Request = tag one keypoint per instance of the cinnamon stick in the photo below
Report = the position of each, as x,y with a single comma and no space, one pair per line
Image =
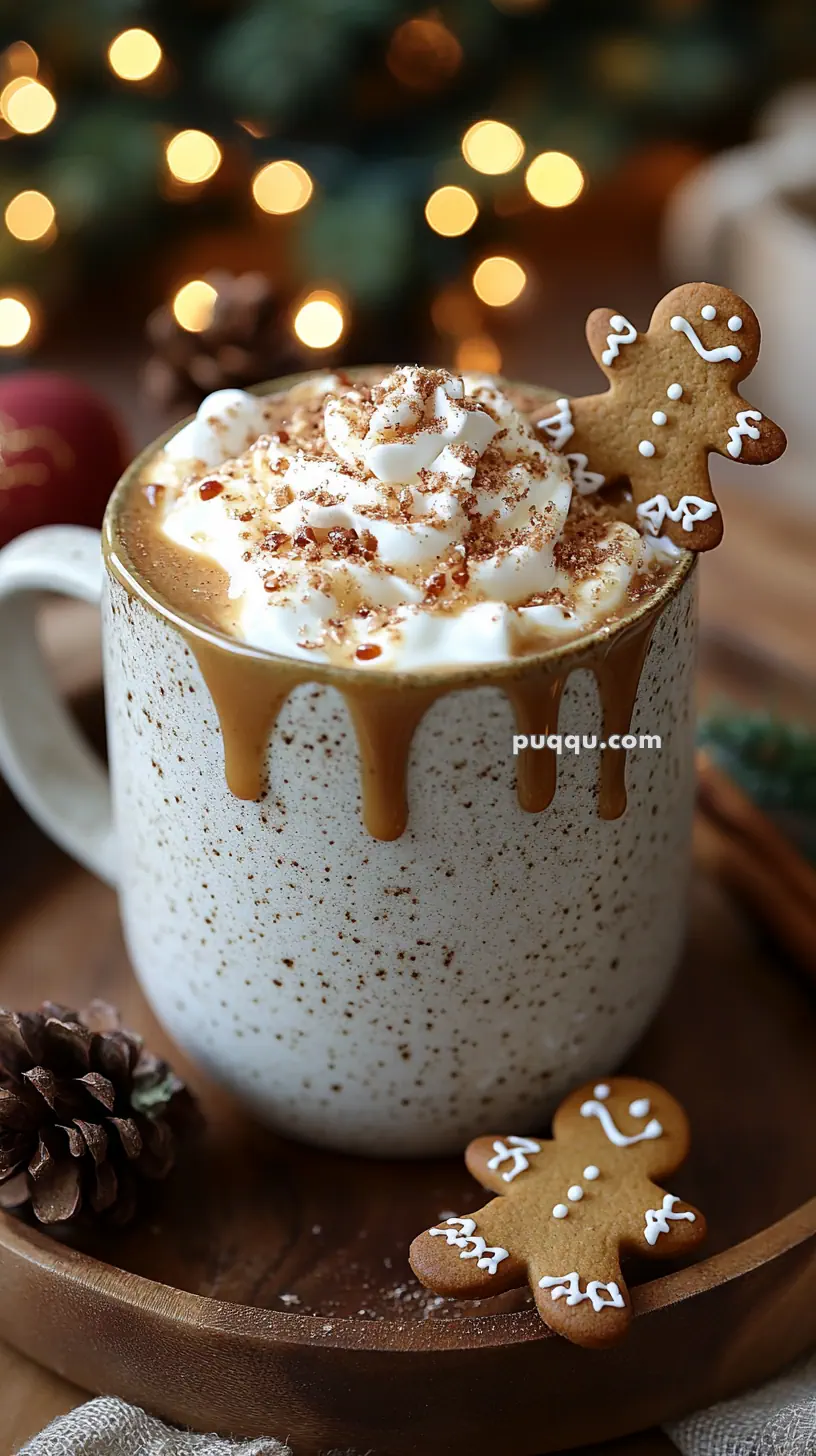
740,846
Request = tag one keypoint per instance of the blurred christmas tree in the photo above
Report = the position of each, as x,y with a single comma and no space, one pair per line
361,151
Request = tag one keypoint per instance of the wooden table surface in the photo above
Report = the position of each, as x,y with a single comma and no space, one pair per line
758,619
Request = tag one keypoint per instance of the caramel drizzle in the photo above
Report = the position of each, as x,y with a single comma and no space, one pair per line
535,706
618,677
249,692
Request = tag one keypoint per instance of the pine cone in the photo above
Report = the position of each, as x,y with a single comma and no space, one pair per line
247,340
85,1112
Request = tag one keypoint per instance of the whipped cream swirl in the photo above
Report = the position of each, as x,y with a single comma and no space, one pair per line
411,523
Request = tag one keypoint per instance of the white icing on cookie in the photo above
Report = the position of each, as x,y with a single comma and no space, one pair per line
601,1091
586,482
559,427
735,324
742,427
713,356
653,1129
689,510
614,340
471,1244
515,1150
675,391
569,1285
708,311
641,1107
657,1218
591,1173
575,1193
560,1210
646,448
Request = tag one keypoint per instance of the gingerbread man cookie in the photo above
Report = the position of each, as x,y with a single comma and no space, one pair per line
672,400
568,1208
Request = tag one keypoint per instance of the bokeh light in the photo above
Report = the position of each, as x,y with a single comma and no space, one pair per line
554,179
27,105
20,59
30,217
282,187
134,55
193,305
423,53
193,156
479,354
451,211
319,321
16,320
492,147
499,281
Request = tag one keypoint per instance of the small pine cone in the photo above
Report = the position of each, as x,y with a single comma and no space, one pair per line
85,1112
247,340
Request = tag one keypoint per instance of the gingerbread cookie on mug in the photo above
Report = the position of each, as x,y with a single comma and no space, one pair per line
569,1207
672,400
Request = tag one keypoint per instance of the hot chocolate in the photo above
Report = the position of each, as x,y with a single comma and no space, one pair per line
416,520
406,526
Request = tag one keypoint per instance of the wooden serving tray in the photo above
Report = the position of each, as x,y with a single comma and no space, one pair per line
267,1290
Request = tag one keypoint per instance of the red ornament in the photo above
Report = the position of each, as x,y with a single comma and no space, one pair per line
62,450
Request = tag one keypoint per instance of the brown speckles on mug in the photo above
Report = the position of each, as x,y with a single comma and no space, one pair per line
389,997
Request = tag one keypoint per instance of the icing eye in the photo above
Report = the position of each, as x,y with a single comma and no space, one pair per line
708,311
641,1107
601,1091
675,391
735,324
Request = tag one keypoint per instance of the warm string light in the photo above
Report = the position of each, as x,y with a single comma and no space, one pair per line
135,54
282,187
194,304
554,179
319,321
423,53
20,59
492,147
478,354
193,157
498,281
30,217
27,105
451,211
16,321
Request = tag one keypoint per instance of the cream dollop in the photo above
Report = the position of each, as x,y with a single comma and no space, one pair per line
412,523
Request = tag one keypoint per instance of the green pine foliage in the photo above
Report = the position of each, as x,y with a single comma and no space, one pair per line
773,761
313,79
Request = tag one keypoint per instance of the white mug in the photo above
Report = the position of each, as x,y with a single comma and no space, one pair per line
380,997
736,217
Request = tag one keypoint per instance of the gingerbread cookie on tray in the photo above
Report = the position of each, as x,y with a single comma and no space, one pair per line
672,401
568,1208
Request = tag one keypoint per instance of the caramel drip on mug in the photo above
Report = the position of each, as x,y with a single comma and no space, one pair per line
535,706
248,694
385,721
618,678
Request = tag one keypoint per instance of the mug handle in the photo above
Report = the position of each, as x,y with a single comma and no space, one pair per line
49,766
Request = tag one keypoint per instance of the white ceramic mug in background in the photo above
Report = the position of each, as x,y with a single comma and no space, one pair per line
736,217
388,998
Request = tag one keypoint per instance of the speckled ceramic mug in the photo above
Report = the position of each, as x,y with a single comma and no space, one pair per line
386,998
